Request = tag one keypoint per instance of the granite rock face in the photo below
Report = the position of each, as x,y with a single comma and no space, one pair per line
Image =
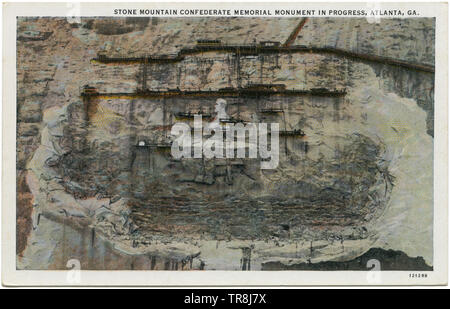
89,191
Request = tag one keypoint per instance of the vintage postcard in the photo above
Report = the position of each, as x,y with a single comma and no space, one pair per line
225,144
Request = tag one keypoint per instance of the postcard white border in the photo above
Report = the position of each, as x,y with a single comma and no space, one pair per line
13,277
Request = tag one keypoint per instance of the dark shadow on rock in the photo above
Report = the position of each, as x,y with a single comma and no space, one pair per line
389,260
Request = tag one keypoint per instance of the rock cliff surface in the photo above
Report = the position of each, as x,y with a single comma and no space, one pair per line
87,190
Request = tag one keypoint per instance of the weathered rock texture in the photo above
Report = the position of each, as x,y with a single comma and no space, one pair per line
86,191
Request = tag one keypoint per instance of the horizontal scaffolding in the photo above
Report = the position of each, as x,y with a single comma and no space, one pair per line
191,115
265,49
236,92
271,110
297,132
231,120
153,145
